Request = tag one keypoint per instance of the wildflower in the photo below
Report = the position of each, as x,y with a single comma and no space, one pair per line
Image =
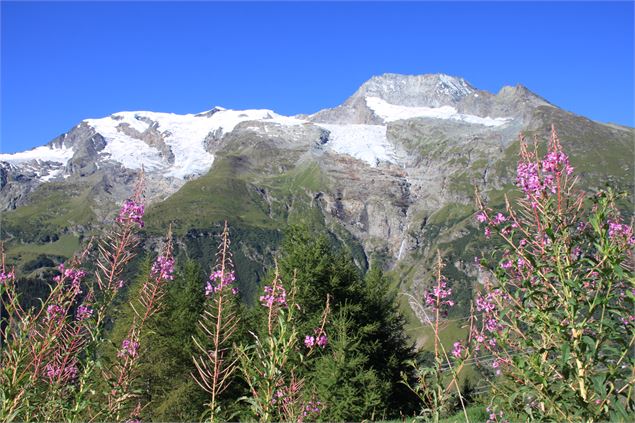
218,280
309,341
274,294
481,217
54,371
84,312
321,341
437,297
499,218
527,178
128,347
54,311
5,276
131,212
457,350
488,232
163,268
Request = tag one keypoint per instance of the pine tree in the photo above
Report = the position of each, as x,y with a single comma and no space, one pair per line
375,329
172,393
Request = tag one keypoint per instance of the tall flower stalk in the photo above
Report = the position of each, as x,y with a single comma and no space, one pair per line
215,363
123,375
437,386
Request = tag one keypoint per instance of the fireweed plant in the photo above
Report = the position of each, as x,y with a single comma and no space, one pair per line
556,318
49,361
437,385
272,364
216,361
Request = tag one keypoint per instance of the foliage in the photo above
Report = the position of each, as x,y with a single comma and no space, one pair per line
49,352
556,318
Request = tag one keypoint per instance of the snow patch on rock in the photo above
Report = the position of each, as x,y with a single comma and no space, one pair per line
392,112
364,142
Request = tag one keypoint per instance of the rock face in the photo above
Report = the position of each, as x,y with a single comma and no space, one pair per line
394,167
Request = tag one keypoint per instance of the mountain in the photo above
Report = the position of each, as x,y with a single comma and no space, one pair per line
390,173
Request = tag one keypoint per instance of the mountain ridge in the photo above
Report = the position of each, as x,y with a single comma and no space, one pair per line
392,181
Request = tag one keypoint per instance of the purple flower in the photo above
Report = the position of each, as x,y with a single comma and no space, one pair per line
499,218
218,281
481,217
309,341
54,311
488,232
457,350
128,347
131,212
274,295
437,296
5,276
321,341
163,268
84,312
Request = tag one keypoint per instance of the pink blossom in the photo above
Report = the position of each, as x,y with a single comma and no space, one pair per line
217,281
271,297
54,311
488,232
84,312
5,276
321,341
131,212
128,347
499,218
481,217
163,268
457,350
309,341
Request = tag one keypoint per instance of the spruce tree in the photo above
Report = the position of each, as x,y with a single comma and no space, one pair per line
375,335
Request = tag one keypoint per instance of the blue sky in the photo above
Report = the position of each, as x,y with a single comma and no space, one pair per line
64,62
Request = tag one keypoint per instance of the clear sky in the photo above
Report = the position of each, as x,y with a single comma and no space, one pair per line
64,62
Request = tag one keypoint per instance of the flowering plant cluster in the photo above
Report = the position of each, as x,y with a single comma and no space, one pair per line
556,316
48,370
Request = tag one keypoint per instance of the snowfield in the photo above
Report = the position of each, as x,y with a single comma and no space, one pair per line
392,112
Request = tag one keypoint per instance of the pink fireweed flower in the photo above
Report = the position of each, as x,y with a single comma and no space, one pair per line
163,268
485,304
54,371
438,296
556,162
5,276
217,281
488,232
131,212
309,341
527,178
83,312
620,231
271,297
457,351
54,311
128,348
321,341
481,217
499,218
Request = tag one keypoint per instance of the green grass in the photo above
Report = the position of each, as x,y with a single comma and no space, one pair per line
223,193
65,246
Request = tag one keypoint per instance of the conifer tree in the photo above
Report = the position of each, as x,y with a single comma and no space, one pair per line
375,329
